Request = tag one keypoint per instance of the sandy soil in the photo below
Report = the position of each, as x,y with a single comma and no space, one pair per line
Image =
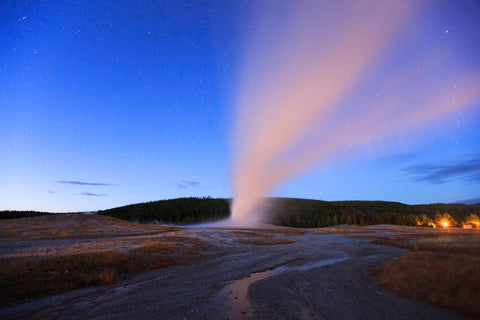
323,274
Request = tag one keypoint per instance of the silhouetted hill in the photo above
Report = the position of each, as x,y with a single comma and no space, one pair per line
177,211
12,214
316,213
284,211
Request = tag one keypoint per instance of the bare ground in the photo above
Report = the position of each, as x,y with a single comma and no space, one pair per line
244,274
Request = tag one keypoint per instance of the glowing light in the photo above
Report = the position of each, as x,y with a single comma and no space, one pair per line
445,223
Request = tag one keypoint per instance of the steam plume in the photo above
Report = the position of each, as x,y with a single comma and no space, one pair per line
327,75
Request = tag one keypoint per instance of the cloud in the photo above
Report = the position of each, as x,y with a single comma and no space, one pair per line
469,201
184,184
467,170
89,194
81,183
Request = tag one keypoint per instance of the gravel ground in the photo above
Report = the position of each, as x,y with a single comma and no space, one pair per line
319,276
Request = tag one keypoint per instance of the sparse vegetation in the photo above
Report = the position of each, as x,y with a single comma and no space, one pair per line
26,278
120,248
265,241
259,238
284,231
23,278
75,226
442,268
444,279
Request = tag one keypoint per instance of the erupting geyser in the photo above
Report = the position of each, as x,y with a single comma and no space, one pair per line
322,76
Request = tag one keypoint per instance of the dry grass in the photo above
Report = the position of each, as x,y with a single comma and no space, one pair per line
263,242
444,279
69,234
75,226
340,229
249,233
24,278
155,246
68,258
254,236
276,230
284,231
442,269
160,254
437,240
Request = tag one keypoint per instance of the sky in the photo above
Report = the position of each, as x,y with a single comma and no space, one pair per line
104,104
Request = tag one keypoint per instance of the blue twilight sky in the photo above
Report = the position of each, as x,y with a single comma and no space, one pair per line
108,103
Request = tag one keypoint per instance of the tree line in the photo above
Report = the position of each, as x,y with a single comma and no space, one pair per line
13,214
176,211
306,213
303,213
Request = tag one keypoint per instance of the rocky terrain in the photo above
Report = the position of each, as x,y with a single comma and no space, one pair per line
267,273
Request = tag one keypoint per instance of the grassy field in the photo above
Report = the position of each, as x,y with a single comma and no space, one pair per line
442,268
74,226
28,278
52,254
449,280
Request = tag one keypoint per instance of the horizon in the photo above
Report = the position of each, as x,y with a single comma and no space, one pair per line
268,199
105,105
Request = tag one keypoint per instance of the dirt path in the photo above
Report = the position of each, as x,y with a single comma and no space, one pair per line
319,276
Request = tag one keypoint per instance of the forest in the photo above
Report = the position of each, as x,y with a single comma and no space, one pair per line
175,211
306,213
302,213
12,214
